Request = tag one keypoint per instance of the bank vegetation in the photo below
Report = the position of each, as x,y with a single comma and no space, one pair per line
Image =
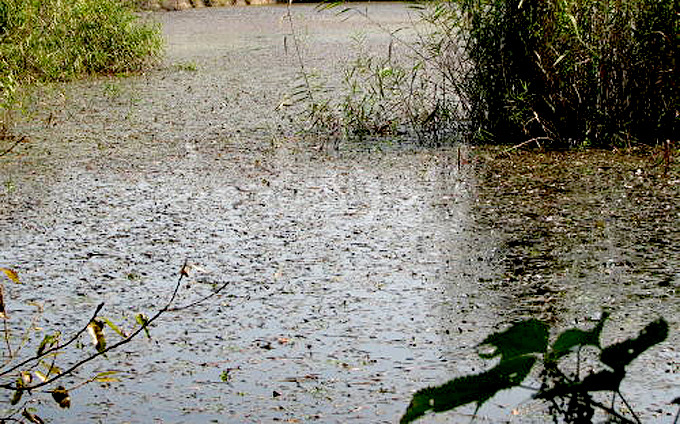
52,40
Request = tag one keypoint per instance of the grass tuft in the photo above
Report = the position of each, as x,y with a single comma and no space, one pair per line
54,40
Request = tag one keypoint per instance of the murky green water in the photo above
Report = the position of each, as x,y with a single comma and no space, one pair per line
355,278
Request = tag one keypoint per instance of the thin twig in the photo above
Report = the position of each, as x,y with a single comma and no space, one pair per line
26,336
126,340
4,318
199,301
52,349
10,354
16,143
524,143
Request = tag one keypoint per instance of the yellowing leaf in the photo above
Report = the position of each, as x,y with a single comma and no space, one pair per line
26,378
32,417
11,274
184,272
16,397
95,330
61,396
3,312
114,327
107,380
51,368
106,377
199,268
42,377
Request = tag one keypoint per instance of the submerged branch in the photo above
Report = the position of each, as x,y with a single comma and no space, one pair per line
16,143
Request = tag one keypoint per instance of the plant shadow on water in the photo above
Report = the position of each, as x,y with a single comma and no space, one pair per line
582,231
355,279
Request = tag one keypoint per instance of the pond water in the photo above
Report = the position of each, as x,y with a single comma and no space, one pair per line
354,277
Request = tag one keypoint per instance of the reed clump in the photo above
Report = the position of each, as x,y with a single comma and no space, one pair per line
572,72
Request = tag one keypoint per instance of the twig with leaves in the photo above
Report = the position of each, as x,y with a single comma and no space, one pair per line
50,347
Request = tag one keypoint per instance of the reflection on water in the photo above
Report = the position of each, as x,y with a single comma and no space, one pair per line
582,232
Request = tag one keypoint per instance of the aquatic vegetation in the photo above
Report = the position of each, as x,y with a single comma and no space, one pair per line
52,40
564,72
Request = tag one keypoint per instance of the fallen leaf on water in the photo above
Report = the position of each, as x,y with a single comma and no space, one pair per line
307,377
11,274
225,376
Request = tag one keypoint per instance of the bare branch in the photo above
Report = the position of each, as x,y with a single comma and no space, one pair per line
201,300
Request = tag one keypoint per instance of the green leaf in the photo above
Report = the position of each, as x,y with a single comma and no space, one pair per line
530,336
604,380
47,342
619,355
572,338
16,397
113,326
325,5
473,388
144,322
